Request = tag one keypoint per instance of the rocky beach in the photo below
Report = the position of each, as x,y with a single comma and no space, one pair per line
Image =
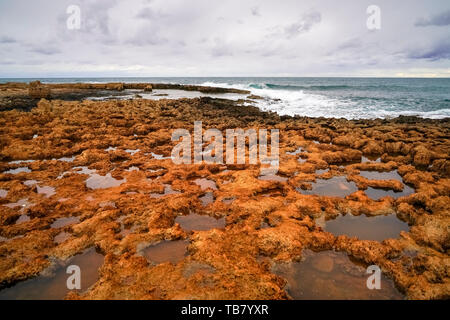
92,183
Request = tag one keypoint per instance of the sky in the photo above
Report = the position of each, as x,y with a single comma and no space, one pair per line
200,38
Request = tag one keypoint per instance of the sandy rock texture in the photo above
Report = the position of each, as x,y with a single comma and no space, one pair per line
86,151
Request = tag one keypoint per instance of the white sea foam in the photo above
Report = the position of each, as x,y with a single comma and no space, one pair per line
298,102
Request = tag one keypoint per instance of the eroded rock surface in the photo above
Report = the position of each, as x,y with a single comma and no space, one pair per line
233,262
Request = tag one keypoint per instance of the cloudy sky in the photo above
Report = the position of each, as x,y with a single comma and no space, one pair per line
224,38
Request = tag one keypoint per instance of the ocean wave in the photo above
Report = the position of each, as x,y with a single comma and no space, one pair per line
286,101
297,87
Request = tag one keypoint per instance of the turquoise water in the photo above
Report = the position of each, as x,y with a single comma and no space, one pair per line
351,98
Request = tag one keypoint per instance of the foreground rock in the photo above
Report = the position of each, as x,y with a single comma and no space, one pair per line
67,143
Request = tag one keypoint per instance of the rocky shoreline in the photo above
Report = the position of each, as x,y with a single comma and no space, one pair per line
106,165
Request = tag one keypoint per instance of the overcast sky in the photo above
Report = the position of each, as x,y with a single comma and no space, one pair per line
224,38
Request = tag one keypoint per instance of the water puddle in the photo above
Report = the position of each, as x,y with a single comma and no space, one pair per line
96,181
207,198
132,168
297,151
272,177
205,184
334,187
370,159
3,193
48,191
196,222
61,237
62,222
330,275
167,191
302,160
167,251
23,218
51,284
228,200
378,193
375,175
18,170
23,203
132,151
66,159
21,161
159,156
376,228
30,183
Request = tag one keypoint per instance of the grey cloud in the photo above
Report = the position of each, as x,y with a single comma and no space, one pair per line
305,24
6,39
255,11
439,51
441,19
221,49
45,50
150,14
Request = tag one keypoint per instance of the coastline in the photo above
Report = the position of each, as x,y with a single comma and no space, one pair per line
238,260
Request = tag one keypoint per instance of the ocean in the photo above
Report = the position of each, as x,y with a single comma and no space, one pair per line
350,98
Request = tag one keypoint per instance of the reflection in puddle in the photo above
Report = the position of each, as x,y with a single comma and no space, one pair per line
367,228
159,156
110,149
375,175
48,191
132,168
21,203
132,151
228,200
62,222
18,170
61,237
3,193
331,275
67,159
167,191
196,222
30,183
207,198
205,183
96,181
293,153
51,284
272,177
370,159
380,193
167,251
334,187
377,193
23,218
21,161
84,170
